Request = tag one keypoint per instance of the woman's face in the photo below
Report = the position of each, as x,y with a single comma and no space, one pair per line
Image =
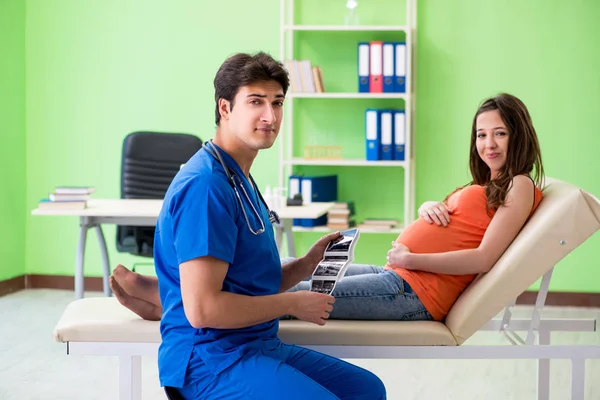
492,140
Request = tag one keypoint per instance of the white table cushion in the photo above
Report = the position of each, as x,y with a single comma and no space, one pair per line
104,319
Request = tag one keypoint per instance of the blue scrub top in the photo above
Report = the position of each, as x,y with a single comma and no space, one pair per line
201,216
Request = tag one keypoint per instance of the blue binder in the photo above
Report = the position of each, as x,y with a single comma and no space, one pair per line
363,67
386,123
400,67
399,135
317,189
389,81
372,134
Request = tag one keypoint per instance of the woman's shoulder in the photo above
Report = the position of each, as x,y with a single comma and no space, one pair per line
523,187
525,182
522,181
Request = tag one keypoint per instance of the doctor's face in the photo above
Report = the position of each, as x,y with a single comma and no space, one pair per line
256,114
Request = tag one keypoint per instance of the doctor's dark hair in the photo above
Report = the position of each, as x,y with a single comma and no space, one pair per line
523,155
244,69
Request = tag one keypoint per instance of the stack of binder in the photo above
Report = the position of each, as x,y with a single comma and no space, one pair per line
382,67
385,133
313,189
340,216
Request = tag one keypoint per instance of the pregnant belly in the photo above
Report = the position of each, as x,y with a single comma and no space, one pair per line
422,237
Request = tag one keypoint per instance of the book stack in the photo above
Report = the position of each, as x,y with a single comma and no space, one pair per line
340,216
378,224
304,77
67,197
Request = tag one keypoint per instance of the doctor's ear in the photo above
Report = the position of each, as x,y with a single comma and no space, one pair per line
224,108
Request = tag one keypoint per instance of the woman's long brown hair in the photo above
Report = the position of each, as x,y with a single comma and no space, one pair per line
523,154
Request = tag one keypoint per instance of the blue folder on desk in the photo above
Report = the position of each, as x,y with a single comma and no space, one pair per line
316,189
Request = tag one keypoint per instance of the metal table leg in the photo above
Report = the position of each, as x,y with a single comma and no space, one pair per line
105,262
79,257
287,228
279,235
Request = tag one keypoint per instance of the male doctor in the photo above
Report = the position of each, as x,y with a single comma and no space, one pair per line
221,283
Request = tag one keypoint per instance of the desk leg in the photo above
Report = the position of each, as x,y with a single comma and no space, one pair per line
287,228
79,256
105,262
279,235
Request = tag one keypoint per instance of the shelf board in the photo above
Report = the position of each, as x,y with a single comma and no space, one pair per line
348,163
348,95
362,230
346,28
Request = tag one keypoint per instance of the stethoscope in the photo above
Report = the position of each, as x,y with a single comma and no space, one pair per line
273,217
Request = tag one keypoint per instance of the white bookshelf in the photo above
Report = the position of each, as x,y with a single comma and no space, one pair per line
349,95
345,28
346,162
288,28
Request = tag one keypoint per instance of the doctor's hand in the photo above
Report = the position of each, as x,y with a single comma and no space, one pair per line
435,211
397,255
315,254
312,306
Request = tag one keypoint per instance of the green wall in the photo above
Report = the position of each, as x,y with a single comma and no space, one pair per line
99,70
12,135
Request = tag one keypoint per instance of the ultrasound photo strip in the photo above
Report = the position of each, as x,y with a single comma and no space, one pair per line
328,269
322,286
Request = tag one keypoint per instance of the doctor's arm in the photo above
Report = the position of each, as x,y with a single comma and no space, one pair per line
206,305
504,227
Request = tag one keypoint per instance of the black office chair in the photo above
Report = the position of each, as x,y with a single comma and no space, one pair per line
149,162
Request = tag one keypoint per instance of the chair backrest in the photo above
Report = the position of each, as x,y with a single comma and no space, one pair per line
566,217
149,162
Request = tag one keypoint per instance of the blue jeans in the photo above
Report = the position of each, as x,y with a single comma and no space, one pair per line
370,292
272,370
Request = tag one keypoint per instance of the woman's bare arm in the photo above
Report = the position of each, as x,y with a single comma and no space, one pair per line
504,227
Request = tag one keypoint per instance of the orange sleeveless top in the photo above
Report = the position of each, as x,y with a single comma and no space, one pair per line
468,223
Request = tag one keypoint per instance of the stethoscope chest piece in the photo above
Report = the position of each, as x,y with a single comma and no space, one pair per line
274,217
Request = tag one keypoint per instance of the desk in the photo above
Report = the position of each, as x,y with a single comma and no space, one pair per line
135,212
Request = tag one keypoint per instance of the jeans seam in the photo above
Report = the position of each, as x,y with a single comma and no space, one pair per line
369,296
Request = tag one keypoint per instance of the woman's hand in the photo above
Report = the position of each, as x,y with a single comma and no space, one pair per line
398,255
435,211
